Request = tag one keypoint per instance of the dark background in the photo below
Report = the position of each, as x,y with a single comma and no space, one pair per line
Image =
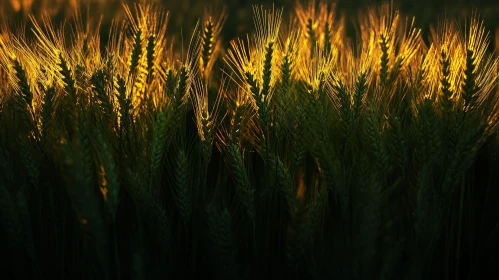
184,13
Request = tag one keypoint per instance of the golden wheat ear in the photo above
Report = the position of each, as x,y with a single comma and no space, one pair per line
212,23
289,39
480,72
146,48
308,19
206,117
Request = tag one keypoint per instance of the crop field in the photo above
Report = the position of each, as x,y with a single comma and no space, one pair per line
301,139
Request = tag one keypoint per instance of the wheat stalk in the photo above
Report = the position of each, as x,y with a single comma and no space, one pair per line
183,186
238,171
220,227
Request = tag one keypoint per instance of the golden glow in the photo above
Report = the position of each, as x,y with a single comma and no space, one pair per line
334,59
104,187
216,16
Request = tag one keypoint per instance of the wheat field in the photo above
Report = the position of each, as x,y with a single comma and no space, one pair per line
296,151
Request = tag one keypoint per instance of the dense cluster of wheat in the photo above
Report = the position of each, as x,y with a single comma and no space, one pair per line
309,154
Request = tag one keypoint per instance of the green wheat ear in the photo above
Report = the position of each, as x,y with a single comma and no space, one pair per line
312,37
46,114
375,137
125,104
267,69
254,88
360,92
238,170
151,57
23,84
284,179
182,186
98,81
67,77
470,88
136,51
298,148
384,60
158,142
286,71
170,83
24,101
445,98
327,39
181,89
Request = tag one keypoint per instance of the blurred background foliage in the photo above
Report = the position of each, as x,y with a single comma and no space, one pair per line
185,13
